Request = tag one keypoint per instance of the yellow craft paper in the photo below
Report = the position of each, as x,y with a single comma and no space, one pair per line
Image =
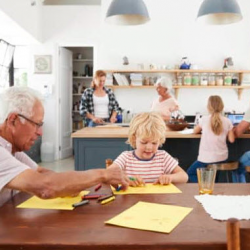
149,188
151,217
64,203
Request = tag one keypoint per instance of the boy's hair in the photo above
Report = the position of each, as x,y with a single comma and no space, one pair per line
215,107
147,125
98,73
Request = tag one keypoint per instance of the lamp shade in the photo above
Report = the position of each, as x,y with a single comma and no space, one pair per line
219,12
127,12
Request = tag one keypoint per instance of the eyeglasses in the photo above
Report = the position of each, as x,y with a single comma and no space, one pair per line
39,125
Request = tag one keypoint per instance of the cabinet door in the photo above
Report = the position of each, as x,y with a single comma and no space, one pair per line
92,153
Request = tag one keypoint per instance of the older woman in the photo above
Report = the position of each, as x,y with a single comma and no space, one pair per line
98,103
165,103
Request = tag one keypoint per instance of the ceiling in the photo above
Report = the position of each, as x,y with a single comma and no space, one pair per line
71,2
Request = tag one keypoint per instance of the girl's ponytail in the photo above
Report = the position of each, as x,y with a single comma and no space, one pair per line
215,107
216,123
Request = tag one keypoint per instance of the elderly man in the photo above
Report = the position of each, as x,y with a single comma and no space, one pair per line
21,121
239,174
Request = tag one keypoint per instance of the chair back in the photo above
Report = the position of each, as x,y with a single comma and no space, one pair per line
225,166
237,238
108,162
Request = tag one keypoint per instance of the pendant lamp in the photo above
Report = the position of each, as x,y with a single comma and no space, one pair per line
219,12
127,12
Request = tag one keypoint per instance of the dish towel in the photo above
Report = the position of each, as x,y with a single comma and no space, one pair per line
223,207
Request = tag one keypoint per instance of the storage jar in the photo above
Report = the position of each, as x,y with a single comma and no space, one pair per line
228,79
195,79
187,79
219,79
204,80
211,79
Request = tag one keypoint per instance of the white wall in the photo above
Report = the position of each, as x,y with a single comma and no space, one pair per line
171,34
25,15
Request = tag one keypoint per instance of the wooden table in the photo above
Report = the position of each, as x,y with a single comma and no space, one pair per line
84,228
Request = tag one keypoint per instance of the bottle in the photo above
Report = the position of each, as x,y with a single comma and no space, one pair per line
119,116
87,70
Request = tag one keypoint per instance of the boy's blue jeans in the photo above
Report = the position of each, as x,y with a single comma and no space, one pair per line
192,170
239,175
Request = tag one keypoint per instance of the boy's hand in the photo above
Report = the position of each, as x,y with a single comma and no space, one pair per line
164,179
136,181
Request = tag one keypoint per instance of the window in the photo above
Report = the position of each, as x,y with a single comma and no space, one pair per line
6,55
20,66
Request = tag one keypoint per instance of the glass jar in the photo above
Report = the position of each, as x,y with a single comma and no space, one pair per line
219,79
235,80
228,79
179,79
195,79
187,79
211,79
204,79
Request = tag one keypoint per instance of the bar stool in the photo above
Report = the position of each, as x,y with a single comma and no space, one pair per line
227,166
247,169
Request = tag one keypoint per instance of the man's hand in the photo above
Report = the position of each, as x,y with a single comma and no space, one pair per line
115,176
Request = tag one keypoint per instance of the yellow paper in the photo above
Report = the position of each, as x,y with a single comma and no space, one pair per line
150,189
64,203
151,217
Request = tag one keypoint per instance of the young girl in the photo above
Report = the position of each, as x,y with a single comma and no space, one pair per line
215,130
146,163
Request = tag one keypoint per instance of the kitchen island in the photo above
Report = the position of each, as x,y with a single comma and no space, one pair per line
92,146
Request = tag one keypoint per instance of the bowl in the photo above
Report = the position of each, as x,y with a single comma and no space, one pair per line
177,126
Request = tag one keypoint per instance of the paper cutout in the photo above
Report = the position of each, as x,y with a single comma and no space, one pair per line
149,188
64,203
151,217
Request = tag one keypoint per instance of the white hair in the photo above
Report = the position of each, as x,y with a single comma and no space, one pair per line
19,100
164,82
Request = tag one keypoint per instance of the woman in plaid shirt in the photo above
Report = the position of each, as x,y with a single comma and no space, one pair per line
98,103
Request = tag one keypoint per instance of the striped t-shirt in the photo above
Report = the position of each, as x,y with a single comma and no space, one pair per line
149,170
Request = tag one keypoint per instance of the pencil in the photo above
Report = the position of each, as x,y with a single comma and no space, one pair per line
84,202
98,187
108,200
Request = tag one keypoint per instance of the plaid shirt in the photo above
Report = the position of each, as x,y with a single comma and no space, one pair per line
87,103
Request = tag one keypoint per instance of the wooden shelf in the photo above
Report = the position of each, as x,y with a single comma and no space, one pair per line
82,77
179,71
83,60
129,87
238,88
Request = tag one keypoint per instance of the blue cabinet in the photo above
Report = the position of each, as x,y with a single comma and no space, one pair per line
91,153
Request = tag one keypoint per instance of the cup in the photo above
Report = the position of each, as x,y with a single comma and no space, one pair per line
206,179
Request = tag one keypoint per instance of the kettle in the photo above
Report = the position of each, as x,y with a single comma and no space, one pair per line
185,63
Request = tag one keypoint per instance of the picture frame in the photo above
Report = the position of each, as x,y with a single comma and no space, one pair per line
42,64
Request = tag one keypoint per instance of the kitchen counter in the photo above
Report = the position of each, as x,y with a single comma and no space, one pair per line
92,146
114,131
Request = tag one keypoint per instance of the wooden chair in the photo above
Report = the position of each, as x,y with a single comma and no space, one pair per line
108,162
228,166
237,238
